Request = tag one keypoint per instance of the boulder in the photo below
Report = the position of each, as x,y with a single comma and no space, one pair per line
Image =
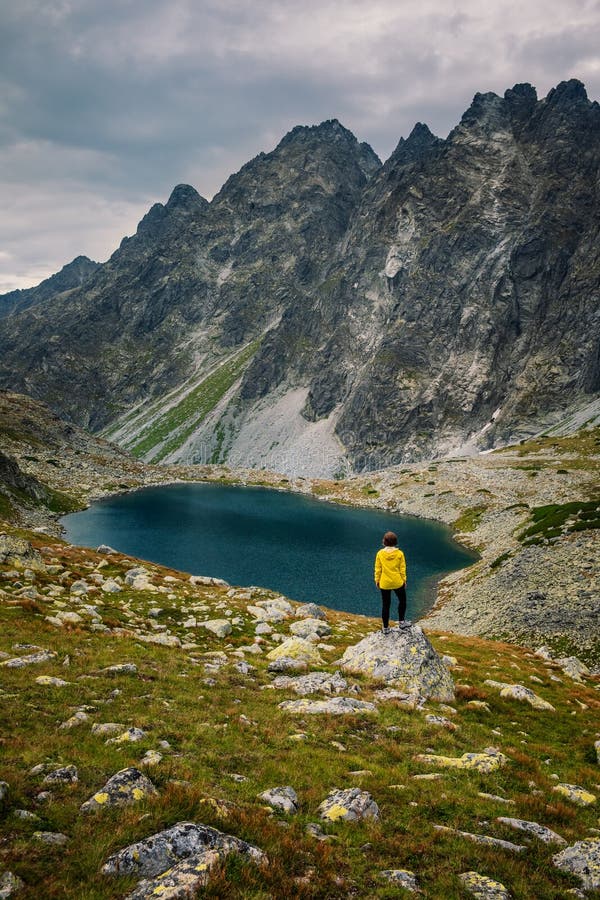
312,683
402,878
336,706
583,860
179,882
161,851
64,775
298,649
483,888
126,786
543,834
489,761
404,658
575,794
32,659
309,628
350,805
310,610
20,554
10,885
483,839
520,692
220,627
283,798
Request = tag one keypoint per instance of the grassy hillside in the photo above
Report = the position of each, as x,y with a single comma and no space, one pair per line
228,740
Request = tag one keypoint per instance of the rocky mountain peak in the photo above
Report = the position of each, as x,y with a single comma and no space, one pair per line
568,92
185,197
416,145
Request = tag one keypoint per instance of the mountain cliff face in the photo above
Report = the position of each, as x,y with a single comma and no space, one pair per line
324,306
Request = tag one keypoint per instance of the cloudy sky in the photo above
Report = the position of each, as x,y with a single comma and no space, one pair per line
105,105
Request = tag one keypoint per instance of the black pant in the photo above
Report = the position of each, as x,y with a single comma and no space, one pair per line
386,599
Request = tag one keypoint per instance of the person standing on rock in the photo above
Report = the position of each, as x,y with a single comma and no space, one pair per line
390,575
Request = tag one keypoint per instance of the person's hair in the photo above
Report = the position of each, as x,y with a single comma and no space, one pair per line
390,539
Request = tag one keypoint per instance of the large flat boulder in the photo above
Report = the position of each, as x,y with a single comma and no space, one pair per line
404,658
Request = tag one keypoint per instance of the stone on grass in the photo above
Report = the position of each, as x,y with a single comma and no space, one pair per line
78,718
287,664
151,758
313,683
126,786
583,860
483,839
220,627
159,852
490,760
304,628
283,798
483,888
336,706
350,805
52,838
105,550
10,885
181,881
403,658
101,729
120,669
20,554
310,610
164,640
111,587
546,835
575,794
207,580
50,681
31,659
442,722
520,692
597,749
298,649
401,878
573,667
64,775
4,789
130,736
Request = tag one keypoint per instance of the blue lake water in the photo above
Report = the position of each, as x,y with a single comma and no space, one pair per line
302,547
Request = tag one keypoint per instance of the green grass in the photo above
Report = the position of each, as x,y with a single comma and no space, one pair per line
171,699
555,519
469,519
179,422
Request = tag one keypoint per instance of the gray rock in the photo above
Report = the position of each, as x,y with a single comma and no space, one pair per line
161,851
583,860
127,786
483,888
207,580
120,669
181,881
105,550
129,736
19,553
520,692
64,775
402,878
78,718
102,729
349,805
573,667
404,658
313,683
483,839
10,885
546,835
25,815
32,659
283,798
219,627
52,838
337,706
310,610
310,628
4,791
287,664
110,587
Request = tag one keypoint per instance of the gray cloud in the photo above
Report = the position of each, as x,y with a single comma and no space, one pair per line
105,107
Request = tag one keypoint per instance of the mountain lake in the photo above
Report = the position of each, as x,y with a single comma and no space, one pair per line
305,548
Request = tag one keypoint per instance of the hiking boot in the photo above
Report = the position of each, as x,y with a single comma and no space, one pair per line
404,624
385,630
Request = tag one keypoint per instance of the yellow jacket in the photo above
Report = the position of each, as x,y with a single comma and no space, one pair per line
390,568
